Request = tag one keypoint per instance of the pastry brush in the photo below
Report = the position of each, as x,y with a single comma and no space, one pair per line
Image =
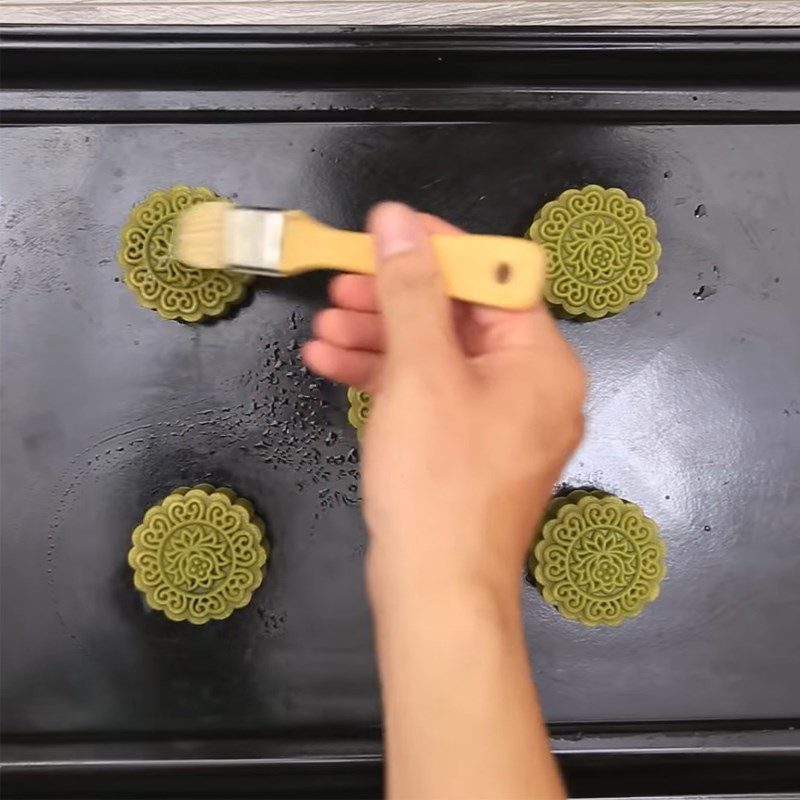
498,271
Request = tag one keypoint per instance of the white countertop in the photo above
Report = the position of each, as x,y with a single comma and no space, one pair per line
402,12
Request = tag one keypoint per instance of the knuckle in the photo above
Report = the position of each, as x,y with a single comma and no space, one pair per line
576,380
576,429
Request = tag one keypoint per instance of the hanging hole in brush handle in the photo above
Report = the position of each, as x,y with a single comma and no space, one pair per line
503,272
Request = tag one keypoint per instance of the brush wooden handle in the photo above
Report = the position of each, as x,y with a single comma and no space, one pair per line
495,271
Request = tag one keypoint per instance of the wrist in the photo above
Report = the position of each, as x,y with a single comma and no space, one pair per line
401,582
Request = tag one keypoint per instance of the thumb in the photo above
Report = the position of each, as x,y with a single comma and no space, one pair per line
411,293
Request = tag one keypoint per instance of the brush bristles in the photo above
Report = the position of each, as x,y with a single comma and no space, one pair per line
200,235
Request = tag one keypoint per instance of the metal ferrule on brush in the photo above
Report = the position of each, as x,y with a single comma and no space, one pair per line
253,240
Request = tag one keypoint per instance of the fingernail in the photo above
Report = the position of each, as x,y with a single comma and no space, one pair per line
396,230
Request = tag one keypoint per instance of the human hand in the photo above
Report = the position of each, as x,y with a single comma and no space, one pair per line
474,411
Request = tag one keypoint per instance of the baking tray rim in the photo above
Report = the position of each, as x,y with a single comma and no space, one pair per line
768,740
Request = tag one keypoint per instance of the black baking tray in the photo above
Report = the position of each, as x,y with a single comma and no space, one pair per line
694,409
